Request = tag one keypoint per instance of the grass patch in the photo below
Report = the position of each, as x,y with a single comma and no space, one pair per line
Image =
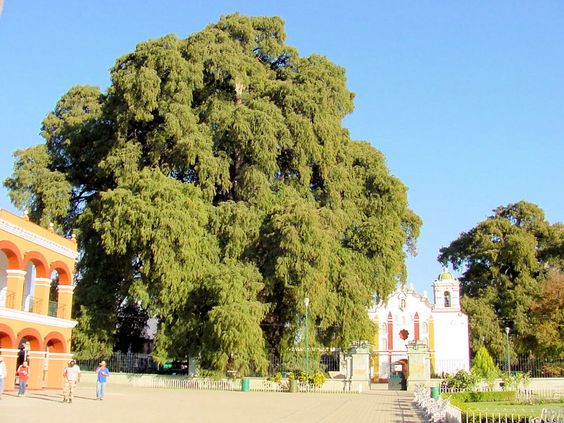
502,407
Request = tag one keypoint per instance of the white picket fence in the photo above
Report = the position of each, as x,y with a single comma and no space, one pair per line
439,410
186,383
255,385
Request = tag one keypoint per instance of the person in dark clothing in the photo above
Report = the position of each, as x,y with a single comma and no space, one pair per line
22,356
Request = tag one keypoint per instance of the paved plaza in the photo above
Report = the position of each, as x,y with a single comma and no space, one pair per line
128,404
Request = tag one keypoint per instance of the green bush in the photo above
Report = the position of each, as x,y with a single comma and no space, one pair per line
317,379
460,398
514,381
555,370
462,380
276,378
483,366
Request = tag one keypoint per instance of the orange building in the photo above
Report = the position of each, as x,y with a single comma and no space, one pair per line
36,289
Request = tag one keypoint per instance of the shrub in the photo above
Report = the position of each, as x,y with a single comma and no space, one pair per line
317,379
552,370
462,380
458,398
483,366
276,378
513,381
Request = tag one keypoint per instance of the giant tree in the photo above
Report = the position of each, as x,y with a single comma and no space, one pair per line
505,260
214,184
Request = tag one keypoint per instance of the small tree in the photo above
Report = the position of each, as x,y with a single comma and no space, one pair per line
483,366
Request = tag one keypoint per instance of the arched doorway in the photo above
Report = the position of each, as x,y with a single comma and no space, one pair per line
55,359
7,337
32,341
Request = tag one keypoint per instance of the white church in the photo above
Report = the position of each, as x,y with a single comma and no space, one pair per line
408,316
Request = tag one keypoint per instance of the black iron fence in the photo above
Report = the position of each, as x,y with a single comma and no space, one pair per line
536,367
144,363
123,363
330,361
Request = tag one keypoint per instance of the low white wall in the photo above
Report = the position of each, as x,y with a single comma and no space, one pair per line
127,378
259,384
542,384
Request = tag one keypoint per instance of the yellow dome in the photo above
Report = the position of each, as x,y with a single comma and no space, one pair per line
445,275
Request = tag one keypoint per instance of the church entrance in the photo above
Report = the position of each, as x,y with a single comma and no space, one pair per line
399,371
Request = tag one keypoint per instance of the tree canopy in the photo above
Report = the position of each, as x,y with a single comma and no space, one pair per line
507,261
214,184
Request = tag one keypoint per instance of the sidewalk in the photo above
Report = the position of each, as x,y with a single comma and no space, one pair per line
127,404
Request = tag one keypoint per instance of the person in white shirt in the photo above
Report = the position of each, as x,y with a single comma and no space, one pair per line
72,377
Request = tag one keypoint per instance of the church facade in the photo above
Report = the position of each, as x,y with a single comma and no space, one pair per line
408,316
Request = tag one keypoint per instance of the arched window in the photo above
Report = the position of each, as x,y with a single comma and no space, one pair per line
53,295
3,279
447,298
425,327
29,285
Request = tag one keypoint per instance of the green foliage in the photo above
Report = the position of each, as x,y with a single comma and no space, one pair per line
90,342
483,366
489,396
277,378
506,259
317,379
514,381
548,315
131,324
214,184
551,370
462,380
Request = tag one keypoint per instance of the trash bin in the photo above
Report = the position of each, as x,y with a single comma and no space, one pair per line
293,385
245,384
435,392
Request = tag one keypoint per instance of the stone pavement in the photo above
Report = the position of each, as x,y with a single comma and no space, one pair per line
126,404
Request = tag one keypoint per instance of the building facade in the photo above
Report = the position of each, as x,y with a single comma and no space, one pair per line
36,290
408,316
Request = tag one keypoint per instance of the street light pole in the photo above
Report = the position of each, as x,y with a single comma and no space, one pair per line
507,348
306,303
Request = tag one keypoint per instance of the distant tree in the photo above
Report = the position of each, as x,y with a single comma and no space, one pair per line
131,324
505,260
548,316
214,183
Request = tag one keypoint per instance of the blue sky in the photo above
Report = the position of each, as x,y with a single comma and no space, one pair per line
465,99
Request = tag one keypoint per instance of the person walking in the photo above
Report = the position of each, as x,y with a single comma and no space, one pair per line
3,375
71,375
102,374
23,377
